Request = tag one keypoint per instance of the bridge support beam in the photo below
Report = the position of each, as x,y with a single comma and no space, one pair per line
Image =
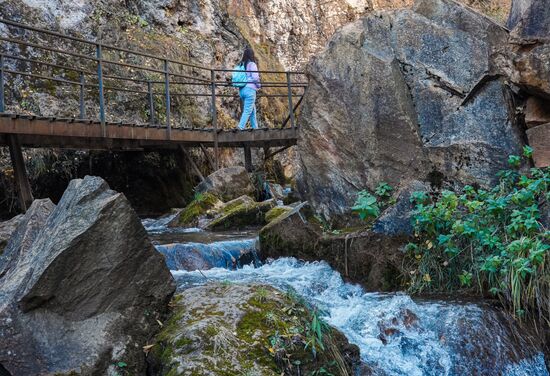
194,167
20,173
248,159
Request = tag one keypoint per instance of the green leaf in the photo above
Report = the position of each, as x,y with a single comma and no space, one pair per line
514,161
121,365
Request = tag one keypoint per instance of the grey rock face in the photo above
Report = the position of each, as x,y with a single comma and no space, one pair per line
227,183
7,228
401,96
396,220
530,18
80,285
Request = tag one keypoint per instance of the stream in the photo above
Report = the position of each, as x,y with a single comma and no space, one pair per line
396,334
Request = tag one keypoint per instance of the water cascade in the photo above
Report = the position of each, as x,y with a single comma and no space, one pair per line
397,335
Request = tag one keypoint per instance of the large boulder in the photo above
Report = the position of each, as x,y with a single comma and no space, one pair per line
401,96
243,329
81,286
227,183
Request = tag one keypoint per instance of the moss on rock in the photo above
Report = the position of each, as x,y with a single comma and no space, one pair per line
221,329
241,212
276,212
200,206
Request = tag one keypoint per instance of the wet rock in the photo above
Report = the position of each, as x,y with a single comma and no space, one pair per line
530,18
198,256
290,234
227,183
370,258
229,329
81,286
386,105
240,213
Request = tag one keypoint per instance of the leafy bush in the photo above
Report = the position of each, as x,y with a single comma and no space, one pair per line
490,241
368,206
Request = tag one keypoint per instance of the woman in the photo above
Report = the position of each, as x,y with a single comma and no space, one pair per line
248,92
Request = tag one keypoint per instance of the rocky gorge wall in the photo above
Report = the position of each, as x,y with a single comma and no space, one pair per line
285,34
436,93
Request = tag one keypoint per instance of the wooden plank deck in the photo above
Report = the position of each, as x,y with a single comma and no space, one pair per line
33,131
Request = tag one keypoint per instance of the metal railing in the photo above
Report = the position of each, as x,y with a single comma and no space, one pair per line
98,70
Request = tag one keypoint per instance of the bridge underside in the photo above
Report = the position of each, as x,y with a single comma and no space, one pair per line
33,131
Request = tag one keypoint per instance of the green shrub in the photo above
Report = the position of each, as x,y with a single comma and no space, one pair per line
489,241
368,206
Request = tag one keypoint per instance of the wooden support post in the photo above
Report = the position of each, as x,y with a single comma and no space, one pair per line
191,162
207,156
248,158
20,173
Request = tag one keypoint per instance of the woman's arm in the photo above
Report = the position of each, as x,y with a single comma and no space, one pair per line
254,76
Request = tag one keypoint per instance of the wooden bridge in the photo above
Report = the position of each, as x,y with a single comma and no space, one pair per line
122,99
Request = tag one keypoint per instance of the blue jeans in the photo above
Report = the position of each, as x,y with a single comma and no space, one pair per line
248,96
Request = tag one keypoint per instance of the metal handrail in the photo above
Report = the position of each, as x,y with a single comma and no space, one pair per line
110,47
170,78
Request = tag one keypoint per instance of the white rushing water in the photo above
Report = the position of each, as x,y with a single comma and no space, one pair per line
396,335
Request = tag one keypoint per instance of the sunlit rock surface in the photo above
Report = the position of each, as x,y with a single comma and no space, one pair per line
405,95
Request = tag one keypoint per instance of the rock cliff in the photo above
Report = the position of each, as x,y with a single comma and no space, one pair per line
429,94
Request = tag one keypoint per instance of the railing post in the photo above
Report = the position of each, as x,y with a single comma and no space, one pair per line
214,119
99,57
290,106
81,97
151,104
2,108
167,94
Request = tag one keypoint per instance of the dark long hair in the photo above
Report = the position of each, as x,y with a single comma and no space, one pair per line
248,56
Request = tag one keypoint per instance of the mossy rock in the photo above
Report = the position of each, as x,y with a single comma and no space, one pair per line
200,206
241,213
236,329
276,212
290,234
